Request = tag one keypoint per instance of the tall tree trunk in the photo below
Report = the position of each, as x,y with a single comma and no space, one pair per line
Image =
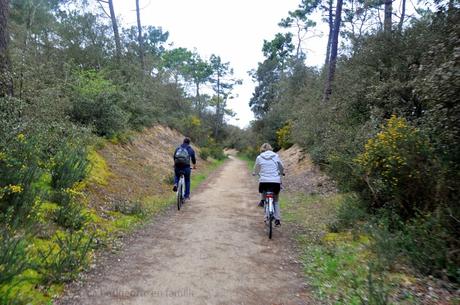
331,26
198,100
403,15
115,29
30,17
216,128
140,38
6,80
334,49
387,22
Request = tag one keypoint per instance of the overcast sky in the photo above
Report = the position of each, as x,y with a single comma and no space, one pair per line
232,29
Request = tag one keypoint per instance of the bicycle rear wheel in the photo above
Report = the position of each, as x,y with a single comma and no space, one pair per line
179,196
270,227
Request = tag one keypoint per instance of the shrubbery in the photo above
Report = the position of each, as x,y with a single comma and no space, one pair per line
97,102
398,169
213,150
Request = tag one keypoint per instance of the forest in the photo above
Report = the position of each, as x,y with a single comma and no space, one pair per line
381,117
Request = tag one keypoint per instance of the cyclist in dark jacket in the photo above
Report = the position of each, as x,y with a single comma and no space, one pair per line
182,157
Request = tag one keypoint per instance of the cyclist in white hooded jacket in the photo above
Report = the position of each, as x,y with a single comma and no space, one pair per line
270,168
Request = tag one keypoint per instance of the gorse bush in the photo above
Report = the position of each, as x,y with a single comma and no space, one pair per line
19,169
71,215
397,169
284,137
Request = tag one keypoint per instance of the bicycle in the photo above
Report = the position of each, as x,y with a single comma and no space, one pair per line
180,191
269,208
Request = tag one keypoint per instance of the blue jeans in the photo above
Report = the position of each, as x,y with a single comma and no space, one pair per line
186,171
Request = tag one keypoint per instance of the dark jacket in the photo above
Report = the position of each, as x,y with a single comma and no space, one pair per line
190,150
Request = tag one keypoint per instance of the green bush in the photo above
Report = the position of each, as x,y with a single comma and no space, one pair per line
13,258
429,246
214,150
96,102
68,260
251,152
71,216
204,153
351,214
69,166
423,242
101,112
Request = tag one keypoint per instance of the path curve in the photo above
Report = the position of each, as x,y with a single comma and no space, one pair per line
213,251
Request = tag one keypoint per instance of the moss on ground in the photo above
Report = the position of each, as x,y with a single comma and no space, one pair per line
99,172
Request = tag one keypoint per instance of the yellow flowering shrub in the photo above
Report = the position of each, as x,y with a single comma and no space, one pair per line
283,136
396,166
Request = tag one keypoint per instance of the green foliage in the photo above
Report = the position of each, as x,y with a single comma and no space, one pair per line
69,166
389,133
427,244
13,259
213,150
423,242
71,215
204,153
70,256
351,214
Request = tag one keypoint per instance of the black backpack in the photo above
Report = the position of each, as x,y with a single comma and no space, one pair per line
181,157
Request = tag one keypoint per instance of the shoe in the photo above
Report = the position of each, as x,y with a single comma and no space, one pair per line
175,188
261,204
277,222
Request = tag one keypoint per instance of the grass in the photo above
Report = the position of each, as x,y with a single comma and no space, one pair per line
335,264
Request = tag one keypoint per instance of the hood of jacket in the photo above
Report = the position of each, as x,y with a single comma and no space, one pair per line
267,155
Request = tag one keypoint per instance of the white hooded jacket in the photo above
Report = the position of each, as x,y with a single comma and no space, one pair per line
269,167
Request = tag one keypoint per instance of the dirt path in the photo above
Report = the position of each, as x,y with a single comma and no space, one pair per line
214,251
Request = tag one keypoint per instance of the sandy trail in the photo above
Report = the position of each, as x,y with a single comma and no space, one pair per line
214,251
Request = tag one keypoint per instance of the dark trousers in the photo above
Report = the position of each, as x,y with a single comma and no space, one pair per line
186,171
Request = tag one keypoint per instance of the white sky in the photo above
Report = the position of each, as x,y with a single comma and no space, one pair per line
232,29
